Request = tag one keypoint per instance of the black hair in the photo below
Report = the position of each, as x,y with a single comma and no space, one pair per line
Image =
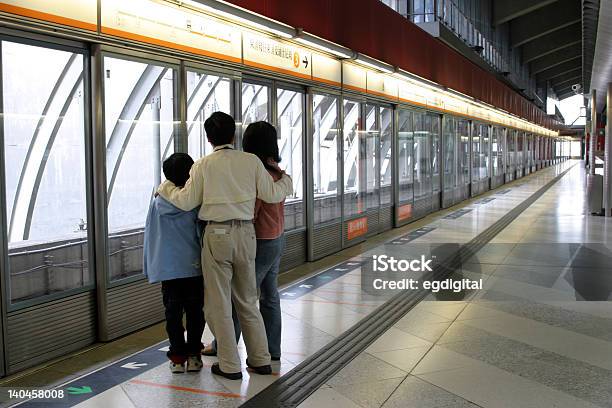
220,128
260,138
177,167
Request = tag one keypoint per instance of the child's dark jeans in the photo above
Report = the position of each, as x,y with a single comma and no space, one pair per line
180,296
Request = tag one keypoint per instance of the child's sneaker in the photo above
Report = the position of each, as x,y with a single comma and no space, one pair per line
177,368
194,364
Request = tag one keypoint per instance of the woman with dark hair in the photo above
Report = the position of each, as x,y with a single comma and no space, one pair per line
260,139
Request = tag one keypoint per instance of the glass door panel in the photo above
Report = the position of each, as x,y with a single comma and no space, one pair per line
435,152
386,159
476,152
372,141
450,181
206,94
486,154
325,159
463,132
422,156
255,103
43,123
139,117
405,156
290,108
353,159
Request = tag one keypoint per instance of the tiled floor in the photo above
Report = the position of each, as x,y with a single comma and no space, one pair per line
538,335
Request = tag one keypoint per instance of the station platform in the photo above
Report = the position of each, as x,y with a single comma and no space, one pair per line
538,333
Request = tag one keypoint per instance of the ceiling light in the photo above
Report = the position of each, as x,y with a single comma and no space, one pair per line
374,63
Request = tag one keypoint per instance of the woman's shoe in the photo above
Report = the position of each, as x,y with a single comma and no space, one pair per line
209,351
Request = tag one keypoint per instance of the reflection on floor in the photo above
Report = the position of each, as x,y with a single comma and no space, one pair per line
538,335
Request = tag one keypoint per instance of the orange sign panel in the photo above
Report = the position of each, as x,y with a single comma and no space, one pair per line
357,228
404,212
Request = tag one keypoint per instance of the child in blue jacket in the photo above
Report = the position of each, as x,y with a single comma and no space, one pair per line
172,256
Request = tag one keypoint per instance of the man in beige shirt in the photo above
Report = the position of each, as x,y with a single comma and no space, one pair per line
226,184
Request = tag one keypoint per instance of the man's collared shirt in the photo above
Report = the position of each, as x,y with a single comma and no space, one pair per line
226,184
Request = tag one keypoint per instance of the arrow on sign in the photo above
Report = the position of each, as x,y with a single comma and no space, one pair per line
79,390
306,286
305,61
167,348
353,263
341,269
134,365
289,294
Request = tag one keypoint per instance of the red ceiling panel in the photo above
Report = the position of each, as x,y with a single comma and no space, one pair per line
370,27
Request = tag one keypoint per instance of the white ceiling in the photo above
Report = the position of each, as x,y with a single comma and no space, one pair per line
602,62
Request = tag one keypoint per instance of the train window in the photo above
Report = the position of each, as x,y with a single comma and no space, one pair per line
44,149
450,181
139,117
353,171
325,158
290,121
206,94
386,159
372,140
255,103
405,156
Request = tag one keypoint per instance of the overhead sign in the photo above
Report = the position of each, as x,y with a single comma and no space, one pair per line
74,13
268,53
382,85
354,77
171,26
326,69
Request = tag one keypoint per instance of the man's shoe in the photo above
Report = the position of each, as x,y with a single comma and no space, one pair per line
262,370
194,364
230,376
209,351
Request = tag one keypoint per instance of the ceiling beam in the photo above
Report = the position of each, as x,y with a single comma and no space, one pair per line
506,10
576,76
560,69
566,95
544,21
555,58
563,89
566,37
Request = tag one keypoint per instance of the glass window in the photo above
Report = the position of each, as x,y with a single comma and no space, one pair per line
372,139
139,118
495,151
511,150
44,146
418,11
450,181
255,105
386,160
404,152
325,158
463,133
519,150
429,10
476,152
435,151
353,162
485,161
290,131
205,94
422,156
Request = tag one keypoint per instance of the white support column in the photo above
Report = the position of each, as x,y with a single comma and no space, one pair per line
593,141
607,193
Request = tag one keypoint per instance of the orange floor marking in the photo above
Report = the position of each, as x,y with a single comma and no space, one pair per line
187,389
